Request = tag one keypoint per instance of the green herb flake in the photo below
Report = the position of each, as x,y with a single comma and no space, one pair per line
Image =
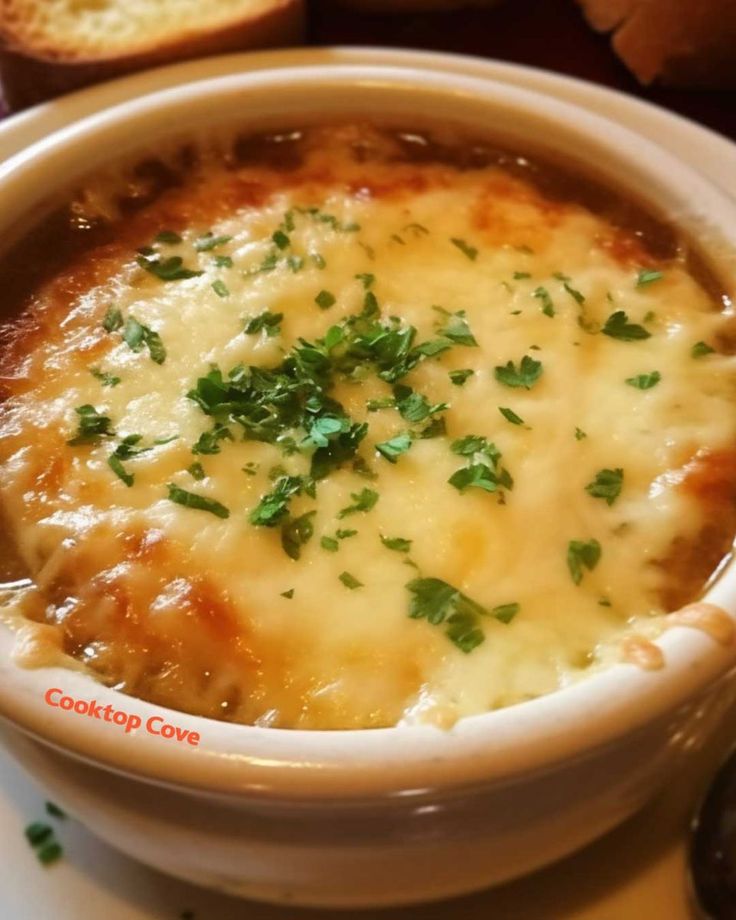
91,426
49,853
116,465
325,300
521,276
54,810
136,335
644,381
107,380
465,248
281,239
648,276
350,581
113,319
167,236
223,261
209,241
220,288
398,544
393,448
701,349
366,279
363,501
288,594
458,378
440,603
617,326
511,416
37,833
477,475
196,471
543,295
526,375
274,506
197,502
505,613
171,269
318,260
330,544
606,485
296,532
582,555
267,322
456,329
580,434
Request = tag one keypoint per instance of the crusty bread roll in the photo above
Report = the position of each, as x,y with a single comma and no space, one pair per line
48,47
682,42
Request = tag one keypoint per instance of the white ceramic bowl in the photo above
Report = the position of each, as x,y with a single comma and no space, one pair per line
387,816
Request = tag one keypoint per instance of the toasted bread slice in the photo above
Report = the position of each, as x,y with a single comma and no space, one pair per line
48,47
670,41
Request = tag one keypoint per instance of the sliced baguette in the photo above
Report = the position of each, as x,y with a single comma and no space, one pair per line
49,47
671,41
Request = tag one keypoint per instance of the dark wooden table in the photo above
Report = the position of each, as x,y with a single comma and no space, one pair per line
551,34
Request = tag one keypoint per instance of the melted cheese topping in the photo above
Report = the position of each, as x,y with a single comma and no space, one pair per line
209,614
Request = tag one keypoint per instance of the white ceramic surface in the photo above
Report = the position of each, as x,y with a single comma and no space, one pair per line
613,810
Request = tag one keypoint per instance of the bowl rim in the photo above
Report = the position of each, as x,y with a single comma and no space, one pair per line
403,760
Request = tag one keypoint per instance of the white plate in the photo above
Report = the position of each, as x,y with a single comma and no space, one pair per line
636,872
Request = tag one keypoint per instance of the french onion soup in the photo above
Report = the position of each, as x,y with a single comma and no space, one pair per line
348,426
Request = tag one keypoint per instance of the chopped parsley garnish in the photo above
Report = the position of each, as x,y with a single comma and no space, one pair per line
582,555
198,502
136,335
521,276
91,426
459,377
196,471
37,833
223,261
318,260
296,532
439,602
107,380
511,416
364,500
482,471
465,248
209,241
267,322
116,465
607,485
220,288
113,319
393,448
274,506
648,276
413,406
54,810
350,581
171,269
526,375
50,853
281,239
366,279
288,594
455,328
701,349
580,434
548,307
325,300
617,326
209,441
167,236
644,381
295,263
330,544
575,294
505,613
398,544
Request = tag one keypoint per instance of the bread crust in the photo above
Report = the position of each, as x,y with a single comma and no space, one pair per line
669,41
32,75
